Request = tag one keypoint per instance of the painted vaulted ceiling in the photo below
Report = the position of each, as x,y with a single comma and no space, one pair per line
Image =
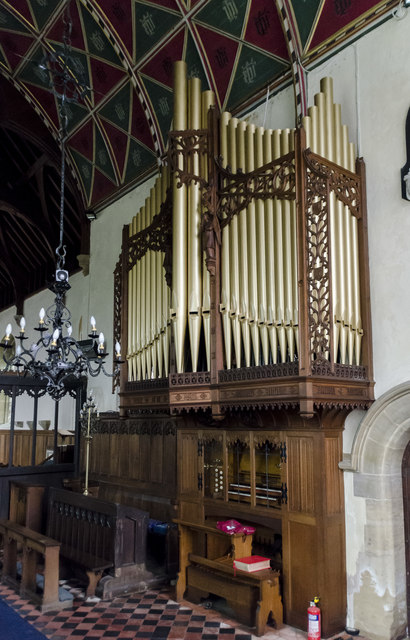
124,51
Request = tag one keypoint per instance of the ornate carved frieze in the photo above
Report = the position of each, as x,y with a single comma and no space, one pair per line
344,183
189,378
145,385
343,371
273,180
184,147
259,373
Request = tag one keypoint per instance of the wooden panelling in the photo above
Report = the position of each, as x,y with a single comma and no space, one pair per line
134,455
23,443
188,466
301,486
157,456
145,457
301,575
334,476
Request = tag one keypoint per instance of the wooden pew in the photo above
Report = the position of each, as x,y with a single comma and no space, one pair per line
96,535
254,597
33,544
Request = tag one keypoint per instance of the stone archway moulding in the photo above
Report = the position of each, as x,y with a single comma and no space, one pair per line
374,517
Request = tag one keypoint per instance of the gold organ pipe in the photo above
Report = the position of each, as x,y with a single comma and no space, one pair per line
336,216
142,303
357,318
130,343
269,256
153,291
208,100
234,251
287,254
166,294
147,301
138,305
179,225
346,336
194,232
159,257
261,254
134,309
279,258
252,248
342,279
294,244
243,252
225,258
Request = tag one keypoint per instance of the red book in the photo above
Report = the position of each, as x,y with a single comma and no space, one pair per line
252,563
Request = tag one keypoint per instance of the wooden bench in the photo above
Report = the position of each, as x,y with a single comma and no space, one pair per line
97,535
254,597
33,544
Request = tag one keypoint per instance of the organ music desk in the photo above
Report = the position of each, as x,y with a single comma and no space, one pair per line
252,596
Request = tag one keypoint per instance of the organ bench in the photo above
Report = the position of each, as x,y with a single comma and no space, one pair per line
252,596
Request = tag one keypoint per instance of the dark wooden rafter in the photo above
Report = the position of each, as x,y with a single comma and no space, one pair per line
22,220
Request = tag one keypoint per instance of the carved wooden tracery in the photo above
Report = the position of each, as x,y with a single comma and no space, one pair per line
273,180
318,259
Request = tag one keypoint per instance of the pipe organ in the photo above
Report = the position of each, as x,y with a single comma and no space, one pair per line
282,209
242,296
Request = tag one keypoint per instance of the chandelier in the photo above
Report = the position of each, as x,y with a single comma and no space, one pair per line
56,357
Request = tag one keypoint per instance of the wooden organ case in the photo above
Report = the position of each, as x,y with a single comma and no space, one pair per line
242,296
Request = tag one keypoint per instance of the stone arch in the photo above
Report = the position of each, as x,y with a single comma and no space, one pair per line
377,587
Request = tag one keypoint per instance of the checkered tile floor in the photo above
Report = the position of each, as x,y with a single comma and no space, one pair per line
152,614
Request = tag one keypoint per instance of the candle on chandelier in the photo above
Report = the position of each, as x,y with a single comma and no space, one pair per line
101,342
55,337
22,324
93,324
118,349
8,332
42,314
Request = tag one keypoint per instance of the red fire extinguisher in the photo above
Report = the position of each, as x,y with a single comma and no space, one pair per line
314,620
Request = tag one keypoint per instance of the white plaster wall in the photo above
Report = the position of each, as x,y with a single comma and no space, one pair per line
106,239
89,295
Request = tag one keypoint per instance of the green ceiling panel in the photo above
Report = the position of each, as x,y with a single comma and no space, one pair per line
42,10
78,65
305,13
98,43
75,113
102,157
254,71
162,104
194,64
34,72
85,171
139,160
151,24
10,23
224,15
117,110
3,59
